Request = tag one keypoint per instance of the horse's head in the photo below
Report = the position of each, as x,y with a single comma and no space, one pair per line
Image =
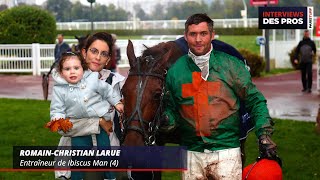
81,42
143,91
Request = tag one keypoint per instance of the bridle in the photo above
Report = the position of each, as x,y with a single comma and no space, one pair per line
149,136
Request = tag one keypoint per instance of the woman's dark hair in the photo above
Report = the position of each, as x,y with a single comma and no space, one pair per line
197,19
66,55
103,36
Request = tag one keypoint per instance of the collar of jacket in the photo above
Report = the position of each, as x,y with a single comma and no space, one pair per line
117,78
212,62
85,75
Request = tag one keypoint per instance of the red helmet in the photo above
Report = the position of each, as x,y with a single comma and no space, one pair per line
263,169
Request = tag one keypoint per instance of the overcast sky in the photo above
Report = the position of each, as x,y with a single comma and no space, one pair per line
85,2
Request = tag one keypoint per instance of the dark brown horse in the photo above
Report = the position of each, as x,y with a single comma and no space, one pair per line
143,92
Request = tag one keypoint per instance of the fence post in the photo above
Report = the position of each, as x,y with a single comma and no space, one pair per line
36,59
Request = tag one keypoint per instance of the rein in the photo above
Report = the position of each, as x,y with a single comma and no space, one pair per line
149,136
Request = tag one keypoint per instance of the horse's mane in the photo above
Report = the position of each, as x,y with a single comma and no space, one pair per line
160,54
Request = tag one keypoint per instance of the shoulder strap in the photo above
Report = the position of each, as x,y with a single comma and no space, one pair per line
109,79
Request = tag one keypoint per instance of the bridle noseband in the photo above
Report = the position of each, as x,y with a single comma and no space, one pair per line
149,137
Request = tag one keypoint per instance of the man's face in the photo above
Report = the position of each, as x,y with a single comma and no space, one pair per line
60,39
307,34
199,38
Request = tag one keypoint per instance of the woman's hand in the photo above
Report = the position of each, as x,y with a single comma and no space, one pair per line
119,107
106,125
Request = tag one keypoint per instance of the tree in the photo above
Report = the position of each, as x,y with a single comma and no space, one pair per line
140,12
61,9
173,11
101,13
79,11
158,12
186,9
216,10
120,14
116,14
232,8
26,25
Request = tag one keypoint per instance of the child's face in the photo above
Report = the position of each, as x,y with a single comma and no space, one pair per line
72,70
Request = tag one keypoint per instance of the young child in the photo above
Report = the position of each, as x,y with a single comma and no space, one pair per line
78,93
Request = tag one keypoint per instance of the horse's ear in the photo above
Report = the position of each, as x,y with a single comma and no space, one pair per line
130,53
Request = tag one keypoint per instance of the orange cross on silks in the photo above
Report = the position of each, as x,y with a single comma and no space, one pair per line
202,111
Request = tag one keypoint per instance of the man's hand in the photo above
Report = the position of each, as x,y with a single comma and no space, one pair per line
165,125
164,120
267,148
296,61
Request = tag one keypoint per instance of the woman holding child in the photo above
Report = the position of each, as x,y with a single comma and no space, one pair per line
96,55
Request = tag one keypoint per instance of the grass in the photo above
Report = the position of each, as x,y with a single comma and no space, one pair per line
298,147
22,121
245,41
277,71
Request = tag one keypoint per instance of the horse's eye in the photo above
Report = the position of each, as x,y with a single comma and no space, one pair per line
157,96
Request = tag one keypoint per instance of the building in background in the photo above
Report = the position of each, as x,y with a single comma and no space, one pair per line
11,3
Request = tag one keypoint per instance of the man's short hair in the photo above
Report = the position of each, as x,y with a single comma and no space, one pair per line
197,19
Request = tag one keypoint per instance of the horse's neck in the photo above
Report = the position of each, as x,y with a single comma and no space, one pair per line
175,55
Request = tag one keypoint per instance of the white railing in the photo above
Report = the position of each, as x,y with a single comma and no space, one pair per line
35,58
38,58
156,24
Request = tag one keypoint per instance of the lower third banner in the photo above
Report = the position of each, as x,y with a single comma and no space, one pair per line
75,158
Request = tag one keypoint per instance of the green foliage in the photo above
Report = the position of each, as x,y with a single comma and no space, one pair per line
255,62
292,54
26,25
186,9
